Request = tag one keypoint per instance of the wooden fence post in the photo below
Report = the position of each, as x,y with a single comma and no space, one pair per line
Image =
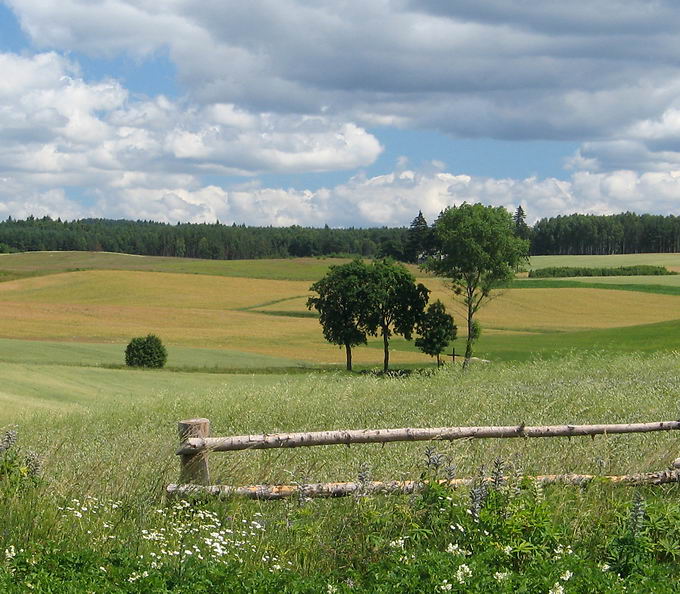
194,467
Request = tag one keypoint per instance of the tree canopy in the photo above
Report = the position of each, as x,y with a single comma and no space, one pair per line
342,305
436,329
477,249
395,303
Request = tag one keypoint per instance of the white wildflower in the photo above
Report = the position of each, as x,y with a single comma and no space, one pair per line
501,576
556,589
566,576
397,544
445,586
463,573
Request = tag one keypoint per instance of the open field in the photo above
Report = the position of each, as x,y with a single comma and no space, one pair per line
264,321
107,434
30,263
89,354
53,403
670,261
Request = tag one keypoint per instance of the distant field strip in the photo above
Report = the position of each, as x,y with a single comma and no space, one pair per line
141,289
646,284
670,261
107,354
306,269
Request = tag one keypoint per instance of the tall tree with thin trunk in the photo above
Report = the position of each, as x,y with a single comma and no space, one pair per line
395,303
341,301
477,249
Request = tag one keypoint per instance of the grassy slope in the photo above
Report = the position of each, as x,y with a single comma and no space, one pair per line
134,413
98,354
307,269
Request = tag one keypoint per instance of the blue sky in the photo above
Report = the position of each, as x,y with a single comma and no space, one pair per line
289,112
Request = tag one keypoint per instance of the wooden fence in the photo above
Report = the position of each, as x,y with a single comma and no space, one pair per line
196,444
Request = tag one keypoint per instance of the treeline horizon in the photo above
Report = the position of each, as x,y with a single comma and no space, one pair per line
573,234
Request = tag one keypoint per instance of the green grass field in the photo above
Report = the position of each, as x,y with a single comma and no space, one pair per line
110,355
670,261
109,435
105,433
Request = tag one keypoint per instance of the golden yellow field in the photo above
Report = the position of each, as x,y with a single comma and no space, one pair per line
245,314
564,309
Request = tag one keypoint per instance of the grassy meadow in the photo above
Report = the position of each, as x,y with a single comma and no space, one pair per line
107,440
245,353
257,308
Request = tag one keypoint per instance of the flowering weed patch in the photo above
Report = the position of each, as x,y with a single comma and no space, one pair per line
500,535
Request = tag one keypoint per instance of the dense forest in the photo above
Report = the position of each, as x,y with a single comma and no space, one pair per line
197,240
571,234
625,233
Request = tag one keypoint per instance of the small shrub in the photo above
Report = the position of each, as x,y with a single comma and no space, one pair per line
146,351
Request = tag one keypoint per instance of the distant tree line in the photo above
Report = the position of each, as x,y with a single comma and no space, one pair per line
562,235
626,233
197,240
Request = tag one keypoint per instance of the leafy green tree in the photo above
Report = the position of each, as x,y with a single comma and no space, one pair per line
146,351
437,330
341,303
395,303
477,249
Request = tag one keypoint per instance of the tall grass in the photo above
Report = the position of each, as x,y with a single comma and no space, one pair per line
121,450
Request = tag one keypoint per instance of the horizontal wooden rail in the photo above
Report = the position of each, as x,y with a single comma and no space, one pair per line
314,490
194,445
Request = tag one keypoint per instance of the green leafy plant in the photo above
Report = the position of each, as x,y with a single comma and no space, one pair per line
436,329
146,351
18,468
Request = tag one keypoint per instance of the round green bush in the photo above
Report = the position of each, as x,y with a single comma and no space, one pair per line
146,351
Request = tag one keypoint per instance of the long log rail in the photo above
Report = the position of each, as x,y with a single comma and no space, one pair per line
195,445
326,490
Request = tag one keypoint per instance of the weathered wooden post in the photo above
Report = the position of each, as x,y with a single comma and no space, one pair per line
194,467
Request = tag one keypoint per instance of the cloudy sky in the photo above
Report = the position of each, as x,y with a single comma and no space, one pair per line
339,112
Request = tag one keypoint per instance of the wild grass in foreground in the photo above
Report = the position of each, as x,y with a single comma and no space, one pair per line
95,519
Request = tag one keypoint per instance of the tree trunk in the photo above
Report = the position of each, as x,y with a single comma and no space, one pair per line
348,353
386,346
468,344
439,361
